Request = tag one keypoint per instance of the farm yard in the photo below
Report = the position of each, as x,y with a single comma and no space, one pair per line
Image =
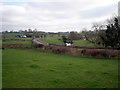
36,68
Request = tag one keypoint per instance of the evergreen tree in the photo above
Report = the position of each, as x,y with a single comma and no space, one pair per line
112,35
64,39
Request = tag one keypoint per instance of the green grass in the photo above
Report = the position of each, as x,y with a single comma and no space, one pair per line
59,42
12,36
36,69
52,41
82,43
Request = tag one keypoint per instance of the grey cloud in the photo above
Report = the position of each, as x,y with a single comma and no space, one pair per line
98,12
52,16
54,6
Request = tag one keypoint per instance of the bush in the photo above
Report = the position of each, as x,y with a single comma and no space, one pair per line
76,51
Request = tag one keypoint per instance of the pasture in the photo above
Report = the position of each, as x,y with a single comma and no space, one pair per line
51,39
33,68
9,38
55,39
12,36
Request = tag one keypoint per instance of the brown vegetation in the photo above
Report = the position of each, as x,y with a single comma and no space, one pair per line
16,39
14,46
102,53
74,51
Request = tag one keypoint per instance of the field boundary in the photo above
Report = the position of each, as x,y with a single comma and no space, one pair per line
15,46
16,39
77,50
70,50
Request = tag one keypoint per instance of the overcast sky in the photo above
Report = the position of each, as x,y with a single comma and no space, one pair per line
55,15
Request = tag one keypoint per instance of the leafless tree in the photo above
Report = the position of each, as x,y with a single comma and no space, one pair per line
93,36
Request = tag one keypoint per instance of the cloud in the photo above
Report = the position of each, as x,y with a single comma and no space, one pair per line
55,16
99,11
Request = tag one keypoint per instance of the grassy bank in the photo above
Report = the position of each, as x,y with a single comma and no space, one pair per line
17,42
35,69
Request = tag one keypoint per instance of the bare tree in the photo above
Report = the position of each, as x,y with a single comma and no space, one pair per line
74,36
93,35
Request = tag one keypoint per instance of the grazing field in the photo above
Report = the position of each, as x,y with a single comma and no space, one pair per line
9,35
12,36
82,43
31,68
51,39
9,38
54,40
17,43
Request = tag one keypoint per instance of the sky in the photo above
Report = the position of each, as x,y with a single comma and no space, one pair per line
55,15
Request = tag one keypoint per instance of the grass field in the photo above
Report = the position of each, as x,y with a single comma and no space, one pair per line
51,39
30,68
54,40
82,43
12,36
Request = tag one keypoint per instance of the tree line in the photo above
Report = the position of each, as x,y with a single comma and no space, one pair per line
107,35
